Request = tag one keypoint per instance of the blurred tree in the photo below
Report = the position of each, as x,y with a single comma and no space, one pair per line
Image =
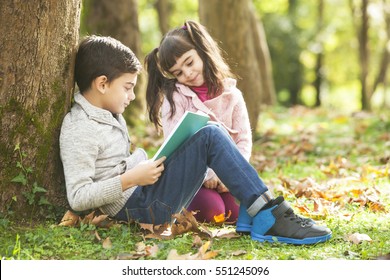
370,80
163,8
284,38
319,55
247,50
297,76
38,39
381,78
362,35
119,19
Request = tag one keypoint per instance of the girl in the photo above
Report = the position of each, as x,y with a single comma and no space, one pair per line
189,71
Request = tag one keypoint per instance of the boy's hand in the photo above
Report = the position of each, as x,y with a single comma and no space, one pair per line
145,173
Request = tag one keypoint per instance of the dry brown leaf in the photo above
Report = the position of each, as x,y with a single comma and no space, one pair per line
140,247
88,218
152,251
238,253
102,221
97,236
357,238
202,254
174,255
197,241
185,222
98,219
149,227
107,244
70,219
142,250
225,233
181,228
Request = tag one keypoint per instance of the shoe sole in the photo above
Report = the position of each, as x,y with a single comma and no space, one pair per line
272,239
243,228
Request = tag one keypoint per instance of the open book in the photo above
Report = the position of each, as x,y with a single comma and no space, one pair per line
187,126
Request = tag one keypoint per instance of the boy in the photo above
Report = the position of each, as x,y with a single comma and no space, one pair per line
101,173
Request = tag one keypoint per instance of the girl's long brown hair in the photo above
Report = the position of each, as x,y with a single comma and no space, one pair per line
172,46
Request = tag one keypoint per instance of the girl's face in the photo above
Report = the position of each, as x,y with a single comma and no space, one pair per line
188,69
119,93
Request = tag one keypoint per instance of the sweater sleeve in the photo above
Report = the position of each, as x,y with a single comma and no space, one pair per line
240,123
79,149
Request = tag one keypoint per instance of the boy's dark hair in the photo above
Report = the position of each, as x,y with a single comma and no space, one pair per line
98,55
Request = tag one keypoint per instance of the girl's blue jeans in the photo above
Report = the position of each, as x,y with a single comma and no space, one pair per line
184,173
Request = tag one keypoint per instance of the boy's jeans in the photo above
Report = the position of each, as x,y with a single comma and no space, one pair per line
184,173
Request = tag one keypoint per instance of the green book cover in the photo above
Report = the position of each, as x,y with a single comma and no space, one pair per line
188,125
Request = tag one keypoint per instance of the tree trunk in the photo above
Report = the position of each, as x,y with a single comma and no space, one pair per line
361,28
163,11
381,77
36,81
363,55
234,25
119,19
320,54
263,57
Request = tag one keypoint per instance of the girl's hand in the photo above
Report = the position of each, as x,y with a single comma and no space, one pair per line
221,188
212,183
145,173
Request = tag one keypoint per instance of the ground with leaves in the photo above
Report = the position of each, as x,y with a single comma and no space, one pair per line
329,166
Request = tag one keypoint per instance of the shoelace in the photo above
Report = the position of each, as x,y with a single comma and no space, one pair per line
298,219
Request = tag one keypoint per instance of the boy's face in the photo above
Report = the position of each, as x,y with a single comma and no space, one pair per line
119,93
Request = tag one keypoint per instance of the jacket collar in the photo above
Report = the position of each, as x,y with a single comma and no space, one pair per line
99,114
229,85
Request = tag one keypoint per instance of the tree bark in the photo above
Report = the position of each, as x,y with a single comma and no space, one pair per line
163,10
361,28
119,19
320,55
36,82
364,55
234,24
381,77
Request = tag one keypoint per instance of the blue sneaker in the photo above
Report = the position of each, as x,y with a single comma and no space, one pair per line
244,221
279,223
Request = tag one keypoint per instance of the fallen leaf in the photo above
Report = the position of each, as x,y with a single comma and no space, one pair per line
88,218
221,218
161,232
384,257
152,251
357,238
197,241
148,227
238,253
140,247
107,244
174,255
202,254
70,219
225,233
97,236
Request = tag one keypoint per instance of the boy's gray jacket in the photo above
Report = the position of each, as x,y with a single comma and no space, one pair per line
95,151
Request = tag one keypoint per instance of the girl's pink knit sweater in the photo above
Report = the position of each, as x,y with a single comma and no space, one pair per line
228,109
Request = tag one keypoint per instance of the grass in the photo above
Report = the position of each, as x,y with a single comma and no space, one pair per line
344,158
